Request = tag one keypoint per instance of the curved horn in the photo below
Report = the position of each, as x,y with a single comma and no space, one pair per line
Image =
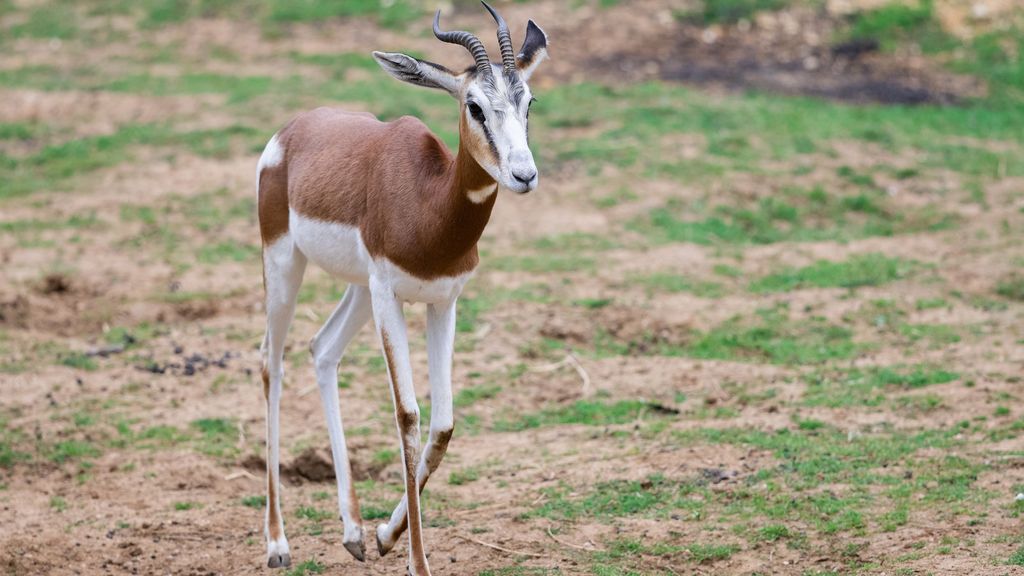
508,57
468,41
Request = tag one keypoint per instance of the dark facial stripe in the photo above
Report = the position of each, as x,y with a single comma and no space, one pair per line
490,140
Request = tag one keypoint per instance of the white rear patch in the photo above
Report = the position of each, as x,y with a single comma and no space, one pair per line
479,196
272,155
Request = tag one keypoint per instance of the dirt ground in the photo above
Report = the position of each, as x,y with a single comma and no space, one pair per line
598,428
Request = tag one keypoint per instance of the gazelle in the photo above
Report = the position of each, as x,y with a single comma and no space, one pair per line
387,208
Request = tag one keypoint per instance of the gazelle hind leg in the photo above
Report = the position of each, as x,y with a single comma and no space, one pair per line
283,266
440,343
390,322
327,348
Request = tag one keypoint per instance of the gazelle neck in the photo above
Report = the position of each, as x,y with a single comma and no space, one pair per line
458,206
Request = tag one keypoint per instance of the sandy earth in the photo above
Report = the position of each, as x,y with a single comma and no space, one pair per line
141,505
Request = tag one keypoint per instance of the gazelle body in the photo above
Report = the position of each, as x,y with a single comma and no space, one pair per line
387,208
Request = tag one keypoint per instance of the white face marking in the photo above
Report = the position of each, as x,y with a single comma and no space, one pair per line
479,196
272,155
505,125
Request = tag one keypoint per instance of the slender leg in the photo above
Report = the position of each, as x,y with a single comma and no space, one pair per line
327,348
440,343
283,266
387,313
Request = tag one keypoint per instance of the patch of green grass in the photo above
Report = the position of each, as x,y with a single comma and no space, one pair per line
314,514
775,338
51,167
655,496
58,504
254,501
50,21
859,270
373,512
306,568
473,394
592,303
472,307
796,215
1017,558
703,553
575,241
385,455
731,11
521,571
217,436
159,13
464,476
238,89
897,22
782,127
18,130
591,412
667,282
72,450
78,361
228,252
930,304
615,198
869,468
1011,287
9,455
772,533
394,14
866,386
936,335
542,262
182,506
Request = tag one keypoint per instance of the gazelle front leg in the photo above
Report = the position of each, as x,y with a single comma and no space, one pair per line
390,321
327,348
440,343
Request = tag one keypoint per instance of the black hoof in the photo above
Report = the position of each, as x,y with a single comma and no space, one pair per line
380,547
279,561
356,549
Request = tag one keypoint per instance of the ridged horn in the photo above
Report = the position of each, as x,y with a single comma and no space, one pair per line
508,57
466,40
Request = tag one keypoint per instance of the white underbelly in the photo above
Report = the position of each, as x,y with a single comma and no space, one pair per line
409,288
339,250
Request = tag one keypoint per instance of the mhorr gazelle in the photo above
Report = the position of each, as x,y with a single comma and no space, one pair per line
386,207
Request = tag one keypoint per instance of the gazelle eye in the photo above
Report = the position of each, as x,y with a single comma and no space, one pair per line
476,112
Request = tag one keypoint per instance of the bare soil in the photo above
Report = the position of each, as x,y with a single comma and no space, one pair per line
175,507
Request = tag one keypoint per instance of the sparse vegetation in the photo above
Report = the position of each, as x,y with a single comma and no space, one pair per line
814,306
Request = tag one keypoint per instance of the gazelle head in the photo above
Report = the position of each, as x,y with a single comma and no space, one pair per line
494,99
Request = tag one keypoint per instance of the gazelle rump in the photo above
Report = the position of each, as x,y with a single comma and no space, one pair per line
386,207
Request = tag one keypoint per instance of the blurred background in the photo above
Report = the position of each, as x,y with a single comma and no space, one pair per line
762,316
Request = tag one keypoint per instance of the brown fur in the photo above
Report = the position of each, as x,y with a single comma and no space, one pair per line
395,181
408,420
434,455
273,522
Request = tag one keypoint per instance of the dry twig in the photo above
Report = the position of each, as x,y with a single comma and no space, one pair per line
591,548
498,548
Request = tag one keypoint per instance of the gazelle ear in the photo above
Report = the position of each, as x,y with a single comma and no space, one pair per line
534,50
419,72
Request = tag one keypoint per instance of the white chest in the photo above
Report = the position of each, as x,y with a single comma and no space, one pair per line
339,249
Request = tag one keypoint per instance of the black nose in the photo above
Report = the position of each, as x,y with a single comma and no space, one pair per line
525,178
